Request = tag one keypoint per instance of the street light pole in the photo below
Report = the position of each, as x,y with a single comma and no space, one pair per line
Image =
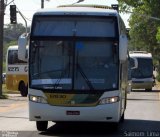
1,41
42,4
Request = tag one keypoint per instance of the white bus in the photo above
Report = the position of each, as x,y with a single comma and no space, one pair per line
77,65
142,75
16,72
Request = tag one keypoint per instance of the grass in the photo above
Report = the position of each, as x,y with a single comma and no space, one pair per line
158,84
5,91
3,96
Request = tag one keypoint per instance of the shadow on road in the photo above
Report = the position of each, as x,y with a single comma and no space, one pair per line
140,99
81,129
143,90
140,125
100,129
14,117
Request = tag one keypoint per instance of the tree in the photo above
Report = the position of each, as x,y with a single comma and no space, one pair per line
158,35
12,32
144,29
11,35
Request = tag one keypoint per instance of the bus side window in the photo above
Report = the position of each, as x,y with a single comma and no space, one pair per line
11,57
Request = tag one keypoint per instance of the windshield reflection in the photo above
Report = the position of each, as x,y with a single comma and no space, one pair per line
144,70
79,65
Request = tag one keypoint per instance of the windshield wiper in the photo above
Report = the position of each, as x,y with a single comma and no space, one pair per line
85,77
58,80
61,76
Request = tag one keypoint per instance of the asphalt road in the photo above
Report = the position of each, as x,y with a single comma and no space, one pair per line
142,118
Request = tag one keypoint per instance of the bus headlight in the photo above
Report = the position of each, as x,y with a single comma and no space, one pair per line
37,99
109,100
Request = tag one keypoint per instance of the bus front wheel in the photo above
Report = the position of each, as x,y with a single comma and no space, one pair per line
23,89
42,125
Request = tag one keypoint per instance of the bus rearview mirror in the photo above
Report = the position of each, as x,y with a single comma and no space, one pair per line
123,48
22,44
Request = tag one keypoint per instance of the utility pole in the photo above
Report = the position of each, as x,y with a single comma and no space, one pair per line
42,4
1,42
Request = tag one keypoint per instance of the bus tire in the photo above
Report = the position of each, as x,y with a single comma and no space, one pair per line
23,89
42,125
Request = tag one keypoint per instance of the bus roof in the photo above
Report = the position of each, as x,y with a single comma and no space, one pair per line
140,54
13,47
79,10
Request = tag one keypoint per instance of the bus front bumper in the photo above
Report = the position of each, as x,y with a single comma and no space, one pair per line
99,113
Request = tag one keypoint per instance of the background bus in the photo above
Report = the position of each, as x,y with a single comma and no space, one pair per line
142,75
78,65
16,71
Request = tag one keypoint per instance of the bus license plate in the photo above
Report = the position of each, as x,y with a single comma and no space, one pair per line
72,112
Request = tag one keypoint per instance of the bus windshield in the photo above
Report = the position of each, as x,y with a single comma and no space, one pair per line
69,53
144,70
81,65
13,58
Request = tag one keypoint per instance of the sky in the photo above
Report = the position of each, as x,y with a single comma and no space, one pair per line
29,7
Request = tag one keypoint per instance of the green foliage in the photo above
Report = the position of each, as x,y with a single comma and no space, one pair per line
3,96
158,77
145,30
158,35
128,5
4,66
11,34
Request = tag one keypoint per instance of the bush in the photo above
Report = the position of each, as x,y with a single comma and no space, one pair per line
158,77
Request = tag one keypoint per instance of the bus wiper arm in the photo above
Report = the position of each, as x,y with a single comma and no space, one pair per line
85,77
59,79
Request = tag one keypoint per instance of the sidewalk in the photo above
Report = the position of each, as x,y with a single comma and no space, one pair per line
13,101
